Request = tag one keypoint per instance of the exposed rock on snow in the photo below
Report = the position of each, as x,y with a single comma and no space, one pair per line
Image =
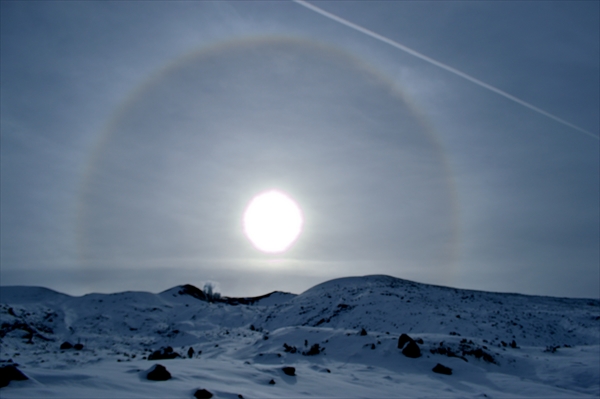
164,353
269,299
10,373
441,369
403,340
291,371
66,345
412,350
314,350
289,348
202,394
158,372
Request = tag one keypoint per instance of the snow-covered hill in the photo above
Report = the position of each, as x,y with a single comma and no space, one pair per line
340,336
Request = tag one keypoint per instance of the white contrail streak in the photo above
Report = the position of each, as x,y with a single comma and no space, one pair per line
441,65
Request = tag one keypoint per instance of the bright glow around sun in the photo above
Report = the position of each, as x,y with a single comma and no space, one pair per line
272,221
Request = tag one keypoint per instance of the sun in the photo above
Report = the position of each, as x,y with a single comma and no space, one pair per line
272,221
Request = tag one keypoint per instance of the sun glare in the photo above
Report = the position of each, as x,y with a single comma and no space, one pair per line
272,221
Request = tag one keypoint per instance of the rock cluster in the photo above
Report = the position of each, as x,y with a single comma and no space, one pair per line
164,353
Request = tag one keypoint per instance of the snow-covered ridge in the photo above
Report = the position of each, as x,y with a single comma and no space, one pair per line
354,320
385,303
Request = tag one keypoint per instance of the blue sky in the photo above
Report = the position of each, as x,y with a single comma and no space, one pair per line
135,133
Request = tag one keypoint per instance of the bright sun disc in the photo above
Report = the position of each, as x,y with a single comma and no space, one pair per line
272,221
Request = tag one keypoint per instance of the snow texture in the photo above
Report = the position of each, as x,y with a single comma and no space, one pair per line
496,345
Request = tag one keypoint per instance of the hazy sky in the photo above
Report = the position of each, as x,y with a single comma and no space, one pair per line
134,134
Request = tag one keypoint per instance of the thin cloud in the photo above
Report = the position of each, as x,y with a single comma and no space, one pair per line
441,65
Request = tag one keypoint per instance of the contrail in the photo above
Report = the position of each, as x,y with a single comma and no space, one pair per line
441,65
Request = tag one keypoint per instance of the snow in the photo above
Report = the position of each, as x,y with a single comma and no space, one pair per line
240,348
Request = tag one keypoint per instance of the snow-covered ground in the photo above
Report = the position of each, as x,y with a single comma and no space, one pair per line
340,336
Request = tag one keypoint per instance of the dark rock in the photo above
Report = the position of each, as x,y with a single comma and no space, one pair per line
480,353
441,369
403,340
314,350
190,352
202,394
419,341
363,332
65,345
289,349
194,292
240,396
272,382
513,344
442,350
163,354
10,373
291,371
78,347
411,350
158,372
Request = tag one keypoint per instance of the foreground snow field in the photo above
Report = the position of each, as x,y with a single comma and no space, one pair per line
340,336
